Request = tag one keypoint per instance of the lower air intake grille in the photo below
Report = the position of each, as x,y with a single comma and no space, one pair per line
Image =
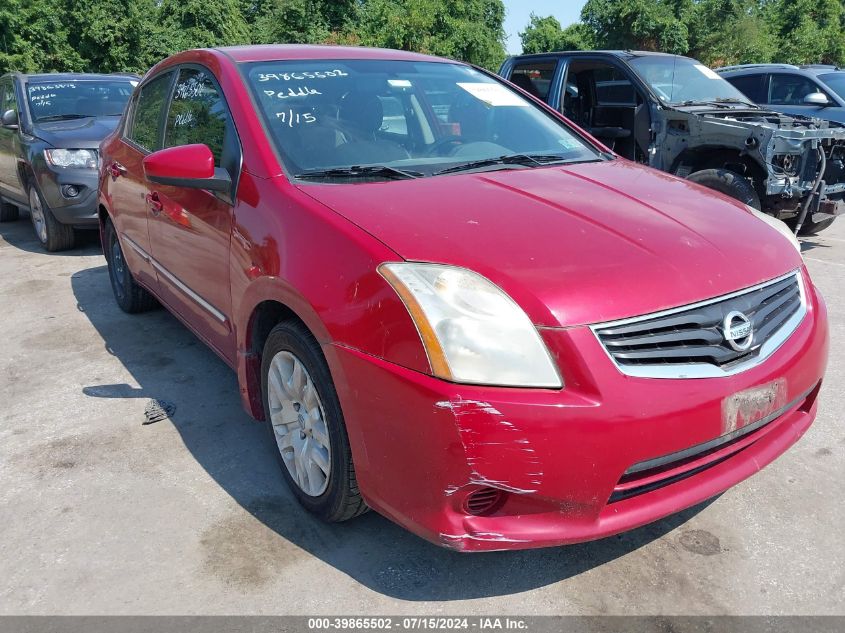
712,338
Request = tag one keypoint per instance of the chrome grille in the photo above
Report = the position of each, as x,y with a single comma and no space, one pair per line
691,341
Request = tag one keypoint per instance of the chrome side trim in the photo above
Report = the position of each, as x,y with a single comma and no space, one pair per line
176,281
141,252
719,441
706,370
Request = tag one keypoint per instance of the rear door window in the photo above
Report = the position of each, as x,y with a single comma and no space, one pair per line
534,77
149,110
752,86
613,87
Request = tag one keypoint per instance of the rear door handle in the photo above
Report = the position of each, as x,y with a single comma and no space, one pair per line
154,202
116,170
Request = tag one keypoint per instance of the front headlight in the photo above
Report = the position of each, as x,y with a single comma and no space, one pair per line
778,225
74,158
472,331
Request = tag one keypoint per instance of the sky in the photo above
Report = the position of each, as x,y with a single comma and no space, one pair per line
519,12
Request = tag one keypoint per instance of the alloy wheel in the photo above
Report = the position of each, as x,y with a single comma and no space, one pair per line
299,423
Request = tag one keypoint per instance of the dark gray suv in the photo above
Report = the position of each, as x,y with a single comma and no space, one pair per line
50,132
675,114
816,91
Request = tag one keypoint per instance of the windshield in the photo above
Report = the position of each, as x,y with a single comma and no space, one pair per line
836,82
78,98
678,80
417,118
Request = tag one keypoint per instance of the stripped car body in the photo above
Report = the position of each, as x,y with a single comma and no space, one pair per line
674,114
785,148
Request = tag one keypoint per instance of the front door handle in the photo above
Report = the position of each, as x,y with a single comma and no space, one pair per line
154,202
116,170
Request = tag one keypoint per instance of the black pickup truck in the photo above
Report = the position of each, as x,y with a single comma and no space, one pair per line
675,114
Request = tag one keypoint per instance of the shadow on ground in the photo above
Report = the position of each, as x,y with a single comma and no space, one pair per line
21,235
169,363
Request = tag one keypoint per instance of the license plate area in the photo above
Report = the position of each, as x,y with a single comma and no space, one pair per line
752,405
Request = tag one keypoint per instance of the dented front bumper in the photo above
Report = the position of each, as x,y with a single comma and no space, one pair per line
605,454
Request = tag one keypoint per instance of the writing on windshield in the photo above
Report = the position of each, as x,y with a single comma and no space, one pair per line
74,99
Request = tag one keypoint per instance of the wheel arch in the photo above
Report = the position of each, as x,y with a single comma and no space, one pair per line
721,157
274,306
103,215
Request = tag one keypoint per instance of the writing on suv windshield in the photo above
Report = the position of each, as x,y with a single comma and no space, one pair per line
364,120
57,100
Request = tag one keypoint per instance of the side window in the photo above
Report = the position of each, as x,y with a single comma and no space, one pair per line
7,97
613,87
790,89
198,113
146,122
534,77
752,86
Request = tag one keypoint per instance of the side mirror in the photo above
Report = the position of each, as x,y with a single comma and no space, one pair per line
190,166
817,99
10,119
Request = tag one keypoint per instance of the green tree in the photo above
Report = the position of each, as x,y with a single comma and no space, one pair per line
545,34
653,25
724,32
808,31
469,30
202,23
109,41
285,21
15,51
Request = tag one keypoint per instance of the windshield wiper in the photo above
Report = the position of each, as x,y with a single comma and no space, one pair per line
60,117
735,100
360,171
692,102
719,102
525,160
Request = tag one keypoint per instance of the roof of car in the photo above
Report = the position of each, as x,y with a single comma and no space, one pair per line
813,69
73,76
278,52
611,53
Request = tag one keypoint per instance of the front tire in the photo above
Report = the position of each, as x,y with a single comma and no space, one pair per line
8,212
53,235
304,419
729,183
809,227
131,297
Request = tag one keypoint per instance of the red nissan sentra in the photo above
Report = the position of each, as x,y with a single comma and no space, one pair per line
449,304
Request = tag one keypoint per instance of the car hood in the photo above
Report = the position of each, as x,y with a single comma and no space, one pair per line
575,244
76,133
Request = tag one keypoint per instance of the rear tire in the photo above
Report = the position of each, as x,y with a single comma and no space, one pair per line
8,212
303,416
53,235
130,296
729,183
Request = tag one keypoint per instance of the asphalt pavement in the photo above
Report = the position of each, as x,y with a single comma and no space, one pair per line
102,514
